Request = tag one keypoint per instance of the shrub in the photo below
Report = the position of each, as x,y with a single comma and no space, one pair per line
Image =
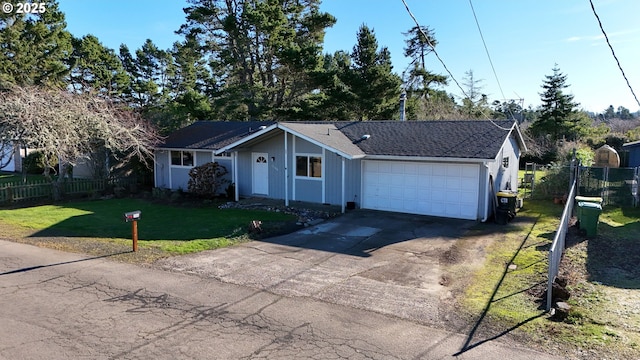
35,163
207,180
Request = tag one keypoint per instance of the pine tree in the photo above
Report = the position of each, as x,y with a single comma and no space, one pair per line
96,68
557,108
375,87
262,53
34,49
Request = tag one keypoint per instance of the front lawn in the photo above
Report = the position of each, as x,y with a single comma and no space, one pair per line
163,229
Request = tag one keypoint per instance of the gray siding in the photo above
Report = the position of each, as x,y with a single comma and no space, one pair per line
161,169
180,178
309,190
333,182
299,188
274,147
203,157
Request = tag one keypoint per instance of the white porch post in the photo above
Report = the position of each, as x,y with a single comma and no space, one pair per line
343,185
234,166
286,170
324,176
170,170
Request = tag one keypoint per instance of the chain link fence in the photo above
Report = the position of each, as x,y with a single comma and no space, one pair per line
616,186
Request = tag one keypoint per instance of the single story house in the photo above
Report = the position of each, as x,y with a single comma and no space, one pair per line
438,168
633,148
196,145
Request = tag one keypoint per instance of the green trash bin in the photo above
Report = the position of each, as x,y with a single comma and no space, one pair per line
587,199
590,213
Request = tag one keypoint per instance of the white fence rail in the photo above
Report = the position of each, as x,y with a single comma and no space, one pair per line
557,247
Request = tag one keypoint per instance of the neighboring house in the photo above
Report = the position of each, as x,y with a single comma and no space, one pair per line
196,145
10,157
634,153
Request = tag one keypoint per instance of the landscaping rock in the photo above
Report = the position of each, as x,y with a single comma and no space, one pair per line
306,217
562,310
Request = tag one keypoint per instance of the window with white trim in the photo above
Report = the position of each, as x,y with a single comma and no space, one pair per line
182,158
505,162
309,166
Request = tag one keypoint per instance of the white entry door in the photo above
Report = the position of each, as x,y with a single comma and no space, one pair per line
260,173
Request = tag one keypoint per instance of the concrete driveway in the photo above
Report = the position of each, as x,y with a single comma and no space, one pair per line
379,261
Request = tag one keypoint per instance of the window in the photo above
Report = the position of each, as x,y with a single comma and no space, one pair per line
309,166
182,158
505,162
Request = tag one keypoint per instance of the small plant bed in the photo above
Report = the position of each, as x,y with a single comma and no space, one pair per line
506,295
97,227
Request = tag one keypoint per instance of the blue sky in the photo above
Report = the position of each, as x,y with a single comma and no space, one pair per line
525,39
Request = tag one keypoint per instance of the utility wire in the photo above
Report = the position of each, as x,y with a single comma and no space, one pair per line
486,49
613,52
433,48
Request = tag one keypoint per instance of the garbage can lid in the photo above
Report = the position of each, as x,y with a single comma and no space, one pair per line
506,194
589,205
589,199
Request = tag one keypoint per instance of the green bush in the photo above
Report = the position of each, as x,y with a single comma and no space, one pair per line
555,182
35,163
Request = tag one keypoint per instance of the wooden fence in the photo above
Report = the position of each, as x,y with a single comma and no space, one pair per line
43,189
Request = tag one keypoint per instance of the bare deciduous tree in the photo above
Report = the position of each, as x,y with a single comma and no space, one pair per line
73,126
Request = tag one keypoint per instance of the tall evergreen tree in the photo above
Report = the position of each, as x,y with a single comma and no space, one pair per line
419,80
34,48
557,107
96,68
261,52
375,86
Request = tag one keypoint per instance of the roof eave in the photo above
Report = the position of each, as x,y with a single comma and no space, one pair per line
427,158
246,138
320,144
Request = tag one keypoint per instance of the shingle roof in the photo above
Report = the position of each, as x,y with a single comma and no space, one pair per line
480,139
325,133
471,139
211,135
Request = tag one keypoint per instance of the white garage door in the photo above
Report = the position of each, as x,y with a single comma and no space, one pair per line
447,190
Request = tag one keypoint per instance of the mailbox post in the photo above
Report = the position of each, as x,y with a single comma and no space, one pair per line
133,217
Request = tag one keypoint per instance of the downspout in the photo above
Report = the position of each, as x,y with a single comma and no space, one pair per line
486,204
343,186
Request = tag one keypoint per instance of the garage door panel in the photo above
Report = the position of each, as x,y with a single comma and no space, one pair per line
437,189
439,182
439,169
471,172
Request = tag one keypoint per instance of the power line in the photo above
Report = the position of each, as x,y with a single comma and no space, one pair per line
613,52
433,48
486,49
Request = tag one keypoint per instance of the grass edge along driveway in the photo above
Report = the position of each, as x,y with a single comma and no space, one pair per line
97,227
603,322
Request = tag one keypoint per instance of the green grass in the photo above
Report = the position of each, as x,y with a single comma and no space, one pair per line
171,229
9,177
603,275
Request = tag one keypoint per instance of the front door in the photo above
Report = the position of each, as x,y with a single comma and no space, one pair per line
260,173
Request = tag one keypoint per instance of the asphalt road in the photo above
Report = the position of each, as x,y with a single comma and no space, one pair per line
56,305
